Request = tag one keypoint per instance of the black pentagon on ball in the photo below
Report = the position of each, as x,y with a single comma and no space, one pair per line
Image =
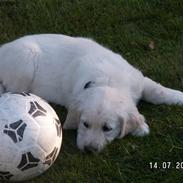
28,161
58,127
15,130
50,158
23,94
5,175
36,110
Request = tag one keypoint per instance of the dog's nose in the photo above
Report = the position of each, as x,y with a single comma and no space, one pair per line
90,149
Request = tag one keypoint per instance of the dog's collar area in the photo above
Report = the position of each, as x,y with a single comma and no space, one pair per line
89,84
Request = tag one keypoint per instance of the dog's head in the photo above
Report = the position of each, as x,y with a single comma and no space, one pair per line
101,114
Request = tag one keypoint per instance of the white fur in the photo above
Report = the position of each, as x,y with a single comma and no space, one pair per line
57,67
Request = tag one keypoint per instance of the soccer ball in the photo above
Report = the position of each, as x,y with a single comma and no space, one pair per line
30,136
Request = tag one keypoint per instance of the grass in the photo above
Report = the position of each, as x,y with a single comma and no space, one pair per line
127,27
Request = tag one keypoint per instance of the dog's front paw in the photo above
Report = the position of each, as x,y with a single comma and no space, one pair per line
69,125
65,126
142,130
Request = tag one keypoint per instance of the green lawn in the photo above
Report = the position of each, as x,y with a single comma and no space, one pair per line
127,27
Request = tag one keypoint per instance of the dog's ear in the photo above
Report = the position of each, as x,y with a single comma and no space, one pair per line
72,119
131,124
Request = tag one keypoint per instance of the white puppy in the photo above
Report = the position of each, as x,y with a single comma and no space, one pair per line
97,86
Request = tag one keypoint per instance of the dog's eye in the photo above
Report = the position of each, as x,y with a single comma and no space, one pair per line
86,125
106,128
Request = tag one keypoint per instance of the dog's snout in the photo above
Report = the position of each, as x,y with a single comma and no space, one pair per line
90,149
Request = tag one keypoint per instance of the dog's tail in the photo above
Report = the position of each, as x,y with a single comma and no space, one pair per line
157,94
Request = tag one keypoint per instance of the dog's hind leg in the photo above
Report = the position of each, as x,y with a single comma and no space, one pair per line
157,94
18,65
